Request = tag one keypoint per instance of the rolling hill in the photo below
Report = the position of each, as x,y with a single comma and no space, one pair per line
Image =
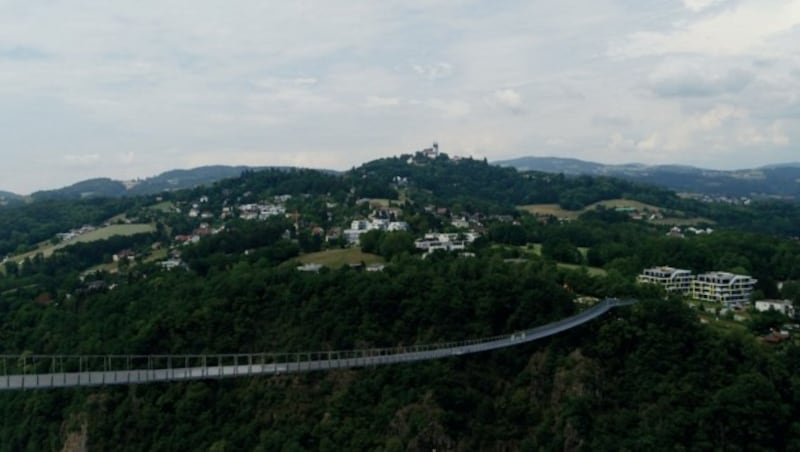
171,180
6,197
774,181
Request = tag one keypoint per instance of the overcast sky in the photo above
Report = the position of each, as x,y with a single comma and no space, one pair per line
92,88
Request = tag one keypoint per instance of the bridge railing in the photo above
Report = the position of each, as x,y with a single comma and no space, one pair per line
180,366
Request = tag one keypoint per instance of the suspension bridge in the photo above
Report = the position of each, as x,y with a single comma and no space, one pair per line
21,372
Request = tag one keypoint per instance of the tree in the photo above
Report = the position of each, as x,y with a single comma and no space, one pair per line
395,243
370,241
562,251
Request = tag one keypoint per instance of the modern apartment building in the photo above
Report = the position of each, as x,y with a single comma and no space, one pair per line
722,287
727,288
674,280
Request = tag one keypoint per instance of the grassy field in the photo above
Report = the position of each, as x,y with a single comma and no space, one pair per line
47,248
722,324
593,271
556,211
537,249
623,203
166,206
551,209
339,257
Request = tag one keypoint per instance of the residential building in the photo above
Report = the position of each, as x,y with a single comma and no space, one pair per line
310,267
783,306
674,280
169,264
675,232
447,242
461,223
397,226
727,288
358,227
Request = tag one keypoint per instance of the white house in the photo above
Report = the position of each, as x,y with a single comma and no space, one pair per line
397,226
309,268
358,227
447,242
783,306
460,223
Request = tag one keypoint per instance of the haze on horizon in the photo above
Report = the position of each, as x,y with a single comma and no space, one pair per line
98,89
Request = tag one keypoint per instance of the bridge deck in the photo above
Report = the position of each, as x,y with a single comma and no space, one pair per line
59,371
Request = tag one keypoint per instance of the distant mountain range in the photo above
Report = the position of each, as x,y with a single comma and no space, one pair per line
106,187
170,180
774,181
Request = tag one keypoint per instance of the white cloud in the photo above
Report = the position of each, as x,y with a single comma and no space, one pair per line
82,160
703,130
378,102
82,82
742,29
556,142
271,83
714,118
127,158
435,71
450,108
508,99
618,142
264,157
773,135
699,5
692,77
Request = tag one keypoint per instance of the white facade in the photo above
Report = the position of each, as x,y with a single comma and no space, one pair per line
310,268
447,242
358,227
260,211
723,287
460,223
674,280
727,288
783,306
398,226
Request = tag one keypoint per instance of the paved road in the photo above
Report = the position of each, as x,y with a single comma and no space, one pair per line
227,366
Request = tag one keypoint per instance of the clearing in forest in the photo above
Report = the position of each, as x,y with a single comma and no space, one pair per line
636,209
340,257
47,248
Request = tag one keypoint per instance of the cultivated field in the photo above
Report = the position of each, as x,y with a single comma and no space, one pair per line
551,209
339,257
556,211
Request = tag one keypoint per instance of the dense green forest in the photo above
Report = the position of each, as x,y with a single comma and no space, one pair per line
649,376
645,378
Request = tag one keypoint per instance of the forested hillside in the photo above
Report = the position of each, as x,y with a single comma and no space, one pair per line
470,181
779,181
640,379
662,374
